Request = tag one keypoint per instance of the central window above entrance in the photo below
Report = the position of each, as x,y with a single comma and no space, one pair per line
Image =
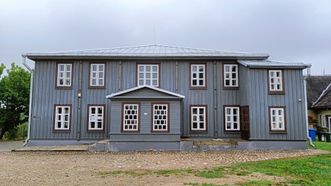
148,74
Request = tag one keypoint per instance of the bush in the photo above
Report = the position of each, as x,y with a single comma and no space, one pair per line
18,133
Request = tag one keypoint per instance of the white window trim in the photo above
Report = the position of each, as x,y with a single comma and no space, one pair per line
95,117
62,120
197,76
279,119
97,78
58,78
232,120
124,120
277,80
166,120
230,76
144,79
198,118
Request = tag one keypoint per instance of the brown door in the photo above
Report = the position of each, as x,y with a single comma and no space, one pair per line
244,120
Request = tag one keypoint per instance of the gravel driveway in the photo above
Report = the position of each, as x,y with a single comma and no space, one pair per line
31,168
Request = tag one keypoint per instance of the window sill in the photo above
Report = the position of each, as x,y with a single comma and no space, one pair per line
278,132
230,88
276,92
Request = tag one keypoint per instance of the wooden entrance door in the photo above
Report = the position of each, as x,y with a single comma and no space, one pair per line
244,122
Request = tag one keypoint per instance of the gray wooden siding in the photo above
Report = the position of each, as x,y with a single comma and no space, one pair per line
121,75
145,133
260,102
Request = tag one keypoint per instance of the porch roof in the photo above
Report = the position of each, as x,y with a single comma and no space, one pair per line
156,93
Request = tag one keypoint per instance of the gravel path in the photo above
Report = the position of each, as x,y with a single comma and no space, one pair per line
28,168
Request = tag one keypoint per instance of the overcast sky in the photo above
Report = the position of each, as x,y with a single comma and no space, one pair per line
291,31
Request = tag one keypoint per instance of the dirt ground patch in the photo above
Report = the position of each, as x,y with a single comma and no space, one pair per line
28,168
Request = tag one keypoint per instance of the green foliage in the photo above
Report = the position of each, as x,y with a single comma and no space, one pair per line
2,67
14,99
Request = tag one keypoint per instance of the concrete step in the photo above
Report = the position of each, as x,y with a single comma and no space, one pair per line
67,148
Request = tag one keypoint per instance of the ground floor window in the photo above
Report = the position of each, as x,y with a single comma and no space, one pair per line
160,117
198,118
232,118
62,117
130,117
277,118
96,117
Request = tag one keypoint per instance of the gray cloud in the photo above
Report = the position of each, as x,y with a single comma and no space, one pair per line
297,30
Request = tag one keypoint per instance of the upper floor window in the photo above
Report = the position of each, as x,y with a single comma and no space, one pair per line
277,118
97,75
96,117
198,118
64,74
198,75
62,117
232,118
230,78
276,81
148,74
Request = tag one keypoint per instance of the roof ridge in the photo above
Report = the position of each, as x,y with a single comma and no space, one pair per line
325,91
150,45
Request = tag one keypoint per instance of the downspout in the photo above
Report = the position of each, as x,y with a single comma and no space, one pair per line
306,109
30,99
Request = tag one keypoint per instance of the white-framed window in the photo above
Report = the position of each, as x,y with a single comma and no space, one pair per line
97,75
198,75
62,117
64,73
230,72
198,118
131,117
148,74
323,121
232,118
277,118
160,117
96,117
276,80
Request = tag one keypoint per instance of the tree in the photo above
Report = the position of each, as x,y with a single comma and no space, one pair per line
14,98
2,67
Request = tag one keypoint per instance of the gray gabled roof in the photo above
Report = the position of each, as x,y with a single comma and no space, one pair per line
134,89
145,51
319,91
271,64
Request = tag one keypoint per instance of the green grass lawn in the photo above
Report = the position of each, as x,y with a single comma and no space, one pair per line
312,170
309,170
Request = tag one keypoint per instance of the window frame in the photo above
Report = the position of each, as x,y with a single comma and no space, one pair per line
205,76
103,118
55,129
232,124
138,117
205,130
284,119
104,76
146,64
167,115
230,87
276,92
57,86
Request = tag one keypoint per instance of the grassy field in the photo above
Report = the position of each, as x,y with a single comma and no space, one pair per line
311,170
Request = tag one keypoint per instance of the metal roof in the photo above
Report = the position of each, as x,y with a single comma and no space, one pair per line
146,51
271,64
142,87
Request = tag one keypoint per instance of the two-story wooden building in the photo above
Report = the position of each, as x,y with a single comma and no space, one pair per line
151,97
